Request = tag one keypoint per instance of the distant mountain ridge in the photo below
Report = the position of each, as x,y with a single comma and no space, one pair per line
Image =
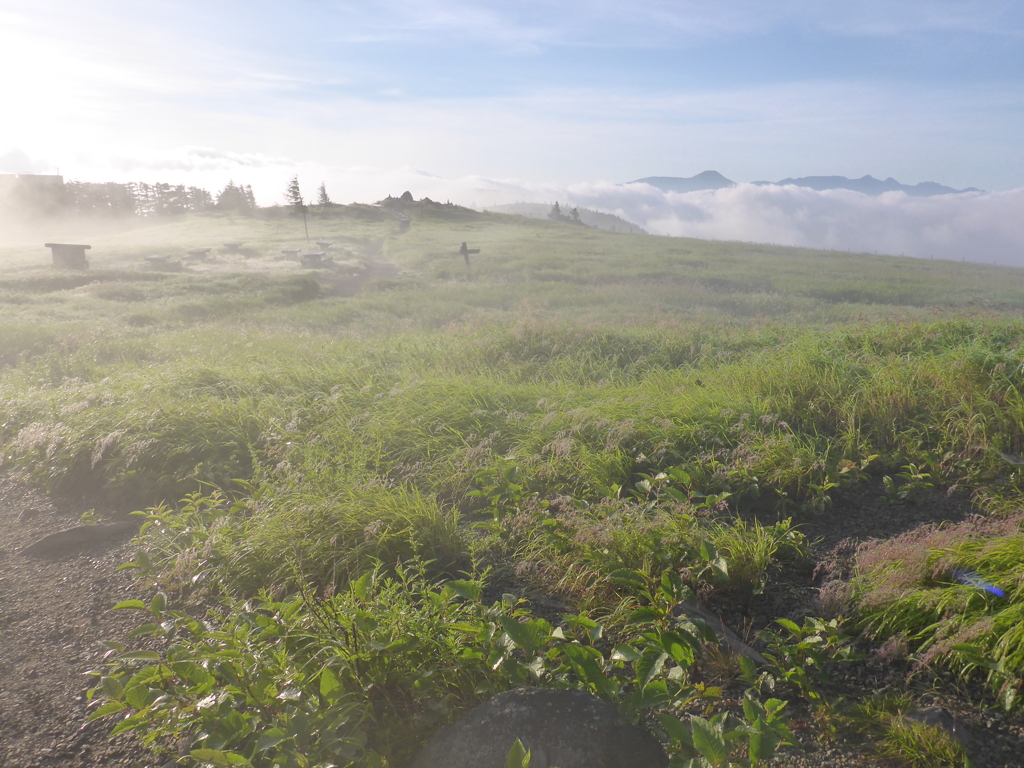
867,185
702,181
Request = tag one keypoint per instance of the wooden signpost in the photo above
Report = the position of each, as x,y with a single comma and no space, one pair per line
466,252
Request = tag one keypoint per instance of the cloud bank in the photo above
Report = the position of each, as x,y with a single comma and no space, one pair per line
983,227
980,226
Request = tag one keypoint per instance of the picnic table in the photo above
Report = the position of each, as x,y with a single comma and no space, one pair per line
315,259
68,255
324,244
200,253
233,247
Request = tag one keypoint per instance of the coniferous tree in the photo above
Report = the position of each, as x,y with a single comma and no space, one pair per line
294,197
232,198
322,198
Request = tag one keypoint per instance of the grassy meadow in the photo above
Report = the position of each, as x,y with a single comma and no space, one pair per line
398,485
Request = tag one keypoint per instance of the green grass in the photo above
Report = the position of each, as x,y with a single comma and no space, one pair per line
578,405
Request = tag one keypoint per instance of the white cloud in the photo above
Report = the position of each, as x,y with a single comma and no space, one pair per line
983,227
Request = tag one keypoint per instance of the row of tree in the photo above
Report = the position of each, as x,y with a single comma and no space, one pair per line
293,194
140,199
573,216
27,194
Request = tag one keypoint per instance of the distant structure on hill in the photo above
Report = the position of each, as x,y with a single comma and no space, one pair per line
606,221
867,185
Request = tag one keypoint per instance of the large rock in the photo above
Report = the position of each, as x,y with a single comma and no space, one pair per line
562,729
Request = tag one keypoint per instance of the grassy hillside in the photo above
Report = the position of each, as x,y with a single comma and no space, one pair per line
599,426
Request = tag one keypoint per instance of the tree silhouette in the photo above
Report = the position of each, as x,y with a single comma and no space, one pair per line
233,198
322,198
294,197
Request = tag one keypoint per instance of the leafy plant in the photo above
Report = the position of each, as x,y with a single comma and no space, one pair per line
913,481
801,659
367,673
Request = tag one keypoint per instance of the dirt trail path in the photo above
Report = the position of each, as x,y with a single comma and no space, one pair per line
54,610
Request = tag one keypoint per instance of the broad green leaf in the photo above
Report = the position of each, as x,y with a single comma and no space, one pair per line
137,605
588,663
140,697
644,615
107,709
625,652
328,682
748,666
651,662
470,590
679,648
708,741
628,578
361,586
270,738
111,688
219,757
518,756
672,585
676,730
787,624
528,635
158,603
403,644
654,694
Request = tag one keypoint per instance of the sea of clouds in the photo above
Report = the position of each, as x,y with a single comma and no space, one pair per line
985,227
976,226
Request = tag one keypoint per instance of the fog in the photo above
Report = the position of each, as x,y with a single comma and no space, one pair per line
978,226
984,227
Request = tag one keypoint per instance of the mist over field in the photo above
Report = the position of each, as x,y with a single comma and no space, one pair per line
973,226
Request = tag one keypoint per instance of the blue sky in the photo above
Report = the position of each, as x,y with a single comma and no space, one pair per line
492,102
538,91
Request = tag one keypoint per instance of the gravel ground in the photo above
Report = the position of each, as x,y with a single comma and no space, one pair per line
53,613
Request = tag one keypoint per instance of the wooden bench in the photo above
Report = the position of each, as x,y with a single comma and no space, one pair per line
199,254
68,255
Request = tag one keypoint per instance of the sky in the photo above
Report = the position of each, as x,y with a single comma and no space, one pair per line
486,102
